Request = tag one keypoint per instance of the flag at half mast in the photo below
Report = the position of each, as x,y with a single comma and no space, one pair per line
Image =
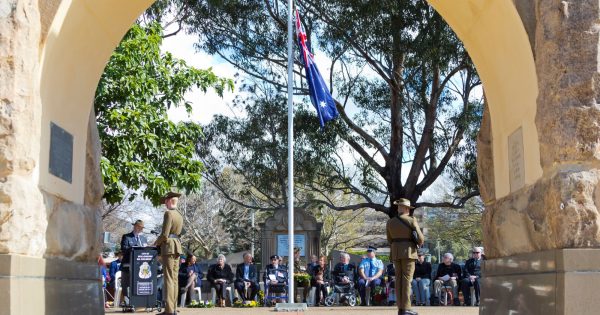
319,93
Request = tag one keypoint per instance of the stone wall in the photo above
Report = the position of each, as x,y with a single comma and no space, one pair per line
560,210
566,56
32,222
22,215
74,231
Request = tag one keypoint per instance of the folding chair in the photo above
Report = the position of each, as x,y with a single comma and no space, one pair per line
118,290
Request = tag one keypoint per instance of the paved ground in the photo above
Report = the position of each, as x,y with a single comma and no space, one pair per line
459,310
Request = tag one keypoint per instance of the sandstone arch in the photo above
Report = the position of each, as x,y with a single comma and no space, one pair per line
538,61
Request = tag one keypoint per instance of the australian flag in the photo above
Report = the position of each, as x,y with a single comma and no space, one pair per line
319,93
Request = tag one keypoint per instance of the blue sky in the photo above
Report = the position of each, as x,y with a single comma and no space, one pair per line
206,105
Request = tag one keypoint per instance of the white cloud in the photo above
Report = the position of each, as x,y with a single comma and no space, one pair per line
205,105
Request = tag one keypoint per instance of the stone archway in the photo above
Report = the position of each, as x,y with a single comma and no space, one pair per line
52,55
538,61
538,152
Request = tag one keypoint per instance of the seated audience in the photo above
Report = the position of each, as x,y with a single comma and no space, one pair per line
472,275
114,267
275,276
320,280
105,278
421,280
190,276
448,274
390,272
276,264
369,272
220,276
246,279
344,272
314,261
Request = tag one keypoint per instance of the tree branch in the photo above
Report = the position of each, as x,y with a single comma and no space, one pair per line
367,137
457,203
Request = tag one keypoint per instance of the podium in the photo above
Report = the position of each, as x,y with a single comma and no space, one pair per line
142,290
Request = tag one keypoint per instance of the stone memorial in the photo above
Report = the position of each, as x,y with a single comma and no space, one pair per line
274,235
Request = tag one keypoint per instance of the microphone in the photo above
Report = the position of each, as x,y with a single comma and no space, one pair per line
152,231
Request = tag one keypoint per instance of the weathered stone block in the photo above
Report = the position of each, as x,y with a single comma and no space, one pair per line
73,231
566,54
560,211
485,159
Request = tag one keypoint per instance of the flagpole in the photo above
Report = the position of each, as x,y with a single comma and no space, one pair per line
290,104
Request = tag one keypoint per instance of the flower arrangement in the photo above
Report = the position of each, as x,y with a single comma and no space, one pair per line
201,304
378,290
302,279
261,298
239,303
379,296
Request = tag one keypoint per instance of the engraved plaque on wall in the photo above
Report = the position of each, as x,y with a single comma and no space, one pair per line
61,153
516,160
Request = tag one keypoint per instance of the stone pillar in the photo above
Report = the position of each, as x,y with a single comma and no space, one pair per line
30,281
543,238
22,218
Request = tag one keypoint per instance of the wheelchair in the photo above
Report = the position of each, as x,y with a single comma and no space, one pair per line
277,291
274,292
343,294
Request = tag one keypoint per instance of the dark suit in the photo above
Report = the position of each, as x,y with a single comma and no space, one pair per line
128,241
240,281
403,254
190,277
271,270
216,272
390,271
184,274
339,272
322,273
280,274
472,268
452,270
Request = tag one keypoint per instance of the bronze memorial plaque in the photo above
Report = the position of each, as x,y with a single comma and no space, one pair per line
61,153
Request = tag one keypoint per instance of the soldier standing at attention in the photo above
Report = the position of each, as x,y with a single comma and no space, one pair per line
170,249
403,252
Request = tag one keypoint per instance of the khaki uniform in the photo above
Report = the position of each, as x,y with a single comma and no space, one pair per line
299,267
403,254
170,249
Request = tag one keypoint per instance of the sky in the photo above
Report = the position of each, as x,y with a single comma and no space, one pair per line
206,105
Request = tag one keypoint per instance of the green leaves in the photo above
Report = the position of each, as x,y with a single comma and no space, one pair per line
142,149
404,83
